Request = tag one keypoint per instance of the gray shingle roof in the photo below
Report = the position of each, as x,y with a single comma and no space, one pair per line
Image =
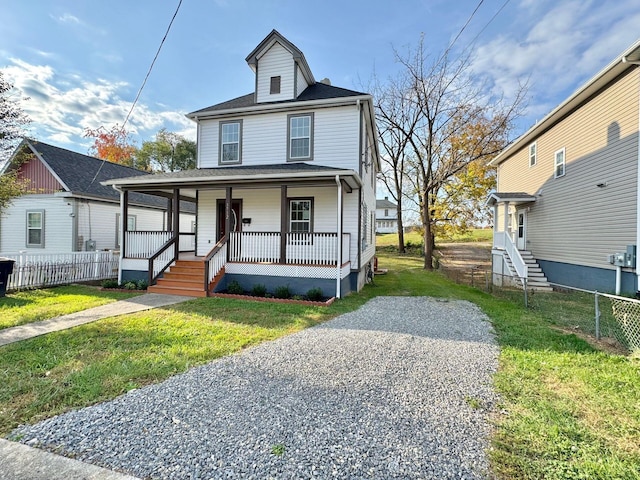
317,91
77,172
384,203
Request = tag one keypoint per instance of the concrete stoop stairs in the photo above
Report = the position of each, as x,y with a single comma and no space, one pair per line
536,279
185,277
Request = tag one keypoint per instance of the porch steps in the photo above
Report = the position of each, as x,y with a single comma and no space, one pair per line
536,280
185,277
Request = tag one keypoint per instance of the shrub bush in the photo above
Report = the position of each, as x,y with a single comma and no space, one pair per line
315,294
130,286
142,284
110,284
282,292
259,290
235,288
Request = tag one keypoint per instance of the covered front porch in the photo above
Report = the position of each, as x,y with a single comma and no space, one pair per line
298,227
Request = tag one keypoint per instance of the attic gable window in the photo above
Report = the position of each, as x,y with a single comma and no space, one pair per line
300,137
230,142
274,87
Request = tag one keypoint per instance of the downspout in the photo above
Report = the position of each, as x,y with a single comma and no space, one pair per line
624,60
123,228
339,239
74,224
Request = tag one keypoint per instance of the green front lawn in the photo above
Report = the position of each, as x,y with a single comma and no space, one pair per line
567,411
29,306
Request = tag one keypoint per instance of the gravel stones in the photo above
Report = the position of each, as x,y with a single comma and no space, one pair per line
400,388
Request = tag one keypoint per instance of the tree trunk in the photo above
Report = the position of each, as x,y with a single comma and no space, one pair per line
400,229
426,224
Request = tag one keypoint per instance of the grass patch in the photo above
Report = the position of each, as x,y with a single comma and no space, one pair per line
568,410
33,305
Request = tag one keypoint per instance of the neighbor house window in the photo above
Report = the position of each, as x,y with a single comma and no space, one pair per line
559,163
230,142
35,228
131,226
300,215
274,87
533,150
300,137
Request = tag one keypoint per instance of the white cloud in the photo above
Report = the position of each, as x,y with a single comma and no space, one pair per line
557,46
67,18
61,108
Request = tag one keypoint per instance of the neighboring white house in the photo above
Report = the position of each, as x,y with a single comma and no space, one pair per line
567,190
386,216
285,186
69,210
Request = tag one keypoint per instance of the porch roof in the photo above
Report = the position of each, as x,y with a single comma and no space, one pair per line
512,197
241,175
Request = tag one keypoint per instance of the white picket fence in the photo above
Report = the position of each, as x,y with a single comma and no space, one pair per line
34,270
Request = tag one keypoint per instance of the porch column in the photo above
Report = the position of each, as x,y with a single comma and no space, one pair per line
124,214
495,222
506,218
227,218
169,214
176,220
283,224
339,239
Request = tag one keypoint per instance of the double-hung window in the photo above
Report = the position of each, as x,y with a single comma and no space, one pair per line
559,163
533,152
300,215
35,228
231,142
300,137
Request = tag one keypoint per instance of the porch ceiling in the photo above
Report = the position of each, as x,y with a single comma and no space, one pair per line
189,181
514,198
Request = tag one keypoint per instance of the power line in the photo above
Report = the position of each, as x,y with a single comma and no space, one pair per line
465,25
144,82
489,22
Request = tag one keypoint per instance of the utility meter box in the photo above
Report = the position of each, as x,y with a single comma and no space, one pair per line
624,259
90,245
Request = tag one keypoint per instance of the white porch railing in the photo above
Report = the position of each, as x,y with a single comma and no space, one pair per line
301,248
143,244
502,241
32,270
215,261
261,247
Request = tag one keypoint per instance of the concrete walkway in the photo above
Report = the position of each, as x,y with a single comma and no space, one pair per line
121,307
18,461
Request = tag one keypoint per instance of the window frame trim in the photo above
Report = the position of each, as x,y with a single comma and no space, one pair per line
277,79
42,224
221,125
311,135
311,209
564,163
535,154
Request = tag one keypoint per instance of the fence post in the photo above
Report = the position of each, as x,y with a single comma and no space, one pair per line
597,316
526,298
21,268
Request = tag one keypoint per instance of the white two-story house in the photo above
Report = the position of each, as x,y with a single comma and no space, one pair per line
285,188
386,216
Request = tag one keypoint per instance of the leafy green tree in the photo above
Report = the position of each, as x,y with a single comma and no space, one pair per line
169,152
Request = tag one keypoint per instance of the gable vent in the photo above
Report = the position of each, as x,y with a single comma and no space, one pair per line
326,81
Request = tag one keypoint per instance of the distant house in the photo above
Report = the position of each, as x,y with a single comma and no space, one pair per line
284,185
386,216
69,210
568,195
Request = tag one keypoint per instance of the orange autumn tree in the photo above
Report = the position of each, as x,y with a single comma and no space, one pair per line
113,145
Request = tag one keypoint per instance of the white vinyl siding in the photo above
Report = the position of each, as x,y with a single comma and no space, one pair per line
264,139
573,221
277,61
301,82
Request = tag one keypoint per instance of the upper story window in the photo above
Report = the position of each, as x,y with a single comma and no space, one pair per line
300,210
274,86
533,152
35,228
559,163
230,142
300,137
386,212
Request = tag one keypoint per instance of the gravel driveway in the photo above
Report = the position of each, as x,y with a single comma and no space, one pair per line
400,388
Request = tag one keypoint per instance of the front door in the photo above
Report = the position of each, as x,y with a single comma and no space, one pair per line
236,217
521,242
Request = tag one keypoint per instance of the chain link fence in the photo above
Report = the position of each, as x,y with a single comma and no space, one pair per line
611,319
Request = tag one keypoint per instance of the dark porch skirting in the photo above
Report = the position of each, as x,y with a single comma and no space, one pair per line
297,286
588,278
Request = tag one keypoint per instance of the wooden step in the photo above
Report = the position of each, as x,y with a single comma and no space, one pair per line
181,283
171,275
185,277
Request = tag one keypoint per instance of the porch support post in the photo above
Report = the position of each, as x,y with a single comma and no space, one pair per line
227,218
283,224
169,214
495,223
124,214
176,220
339,239
506,218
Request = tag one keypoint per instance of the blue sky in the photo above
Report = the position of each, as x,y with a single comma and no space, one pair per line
82,63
